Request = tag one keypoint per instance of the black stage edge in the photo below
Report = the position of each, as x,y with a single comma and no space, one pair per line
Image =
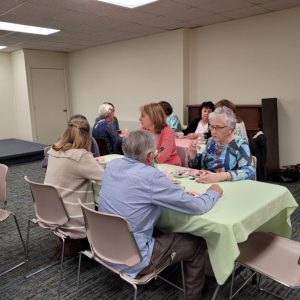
14,151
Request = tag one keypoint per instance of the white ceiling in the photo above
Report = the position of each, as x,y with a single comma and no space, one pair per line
87,23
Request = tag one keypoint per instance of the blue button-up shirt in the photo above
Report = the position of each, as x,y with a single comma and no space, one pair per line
137,192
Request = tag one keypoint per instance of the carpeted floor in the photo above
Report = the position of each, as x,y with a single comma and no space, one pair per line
96,281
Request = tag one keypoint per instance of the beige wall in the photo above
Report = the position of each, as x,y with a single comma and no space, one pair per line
243,60
250,59
128,74
22,109
7,112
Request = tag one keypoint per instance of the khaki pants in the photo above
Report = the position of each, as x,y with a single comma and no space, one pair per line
192,250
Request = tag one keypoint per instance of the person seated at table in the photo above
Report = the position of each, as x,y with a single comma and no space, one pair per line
226,156
199,126
153,119
71,168
115,121
240,128
94,146
105,129
172,119
141,193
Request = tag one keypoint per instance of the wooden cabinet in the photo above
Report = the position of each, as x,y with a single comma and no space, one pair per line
256,118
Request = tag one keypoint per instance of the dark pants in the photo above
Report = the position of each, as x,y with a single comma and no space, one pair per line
192,250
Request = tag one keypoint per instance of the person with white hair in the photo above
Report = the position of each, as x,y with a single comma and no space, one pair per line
104,128
227,156
140,194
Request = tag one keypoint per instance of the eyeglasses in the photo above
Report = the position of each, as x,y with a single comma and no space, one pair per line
216,128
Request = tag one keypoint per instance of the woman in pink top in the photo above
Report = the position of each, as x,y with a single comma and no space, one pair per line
153,119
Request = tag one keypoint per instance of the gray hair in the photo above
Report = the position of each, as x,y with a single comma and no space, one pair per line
104,110
137,144
226,114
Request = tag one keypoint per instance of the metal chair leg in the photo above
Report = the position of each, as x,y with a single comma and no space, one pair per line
23,244
216,292
21,237
183,280
232,282
78,275
61,267
27,246
135,291
245,282
27,254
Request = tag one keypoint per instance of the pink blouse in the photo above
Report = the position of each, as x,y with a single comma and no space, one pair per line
166,139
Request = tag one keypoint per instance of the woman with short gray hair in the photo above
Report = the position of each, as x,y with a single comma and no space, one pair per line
226,156
104,128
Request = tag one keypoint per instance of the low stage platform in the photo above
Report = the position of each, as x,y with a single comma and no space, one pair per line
14,151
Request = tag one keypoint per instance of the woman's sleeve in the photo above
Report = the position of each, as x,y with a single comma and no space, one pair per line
89,168
95,148
174,123
116,139
245,164
167,142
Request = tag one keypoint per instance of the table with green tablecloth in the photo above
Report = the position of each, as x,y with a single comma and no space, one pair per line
246,206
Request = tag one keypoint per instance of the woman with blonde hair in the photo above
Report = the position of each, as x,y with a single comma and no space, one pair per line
71,168
153,119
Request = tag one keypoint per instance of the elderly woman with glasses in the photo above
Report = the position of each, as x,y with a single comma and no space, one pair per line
226,156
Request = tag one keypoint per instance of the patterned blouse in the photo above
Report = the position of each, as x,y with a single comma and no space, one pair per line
234,158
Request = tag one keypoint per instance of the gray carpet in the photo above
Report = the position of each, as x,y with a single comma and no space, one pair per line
96,281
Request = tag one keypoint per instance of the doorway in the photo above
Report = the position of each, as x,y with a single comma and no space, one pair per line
49,99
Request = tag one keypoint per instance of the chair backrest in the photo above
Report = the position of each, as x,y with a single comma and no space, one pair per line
254,161
46,149
48,205
110,237
103,148
3,173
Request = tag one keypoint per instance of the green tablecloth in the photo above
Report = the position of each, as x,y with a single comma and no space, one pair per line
245,207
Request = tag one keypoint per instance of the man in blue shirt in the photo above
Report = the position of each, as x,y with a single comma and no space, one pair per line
133,189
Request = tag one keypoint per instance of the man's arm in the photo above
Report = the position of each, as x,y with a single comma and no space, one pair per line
169,195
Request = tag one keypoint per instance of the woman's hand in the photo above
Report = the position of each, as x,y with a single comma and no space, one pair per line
210,177
192,151
99,159
192,136
124,132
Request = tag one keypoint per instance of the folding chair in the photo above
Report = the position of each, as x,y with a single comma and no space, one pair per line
111,241
272,256
4,214
50,214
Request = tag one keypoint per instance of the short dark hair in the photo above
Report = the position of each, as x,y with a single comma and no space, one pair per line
166,106
206,104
